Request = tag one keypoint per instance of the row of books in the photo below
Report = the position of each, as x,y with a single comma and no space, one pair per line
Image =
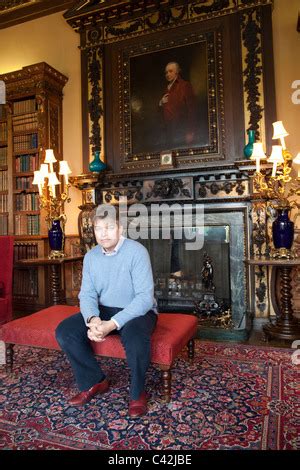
27,224
24,182
3,203
25,283
27,202
3,180
24,106
25,142
25,122
3,156
27,163
25,250
3,131
3,224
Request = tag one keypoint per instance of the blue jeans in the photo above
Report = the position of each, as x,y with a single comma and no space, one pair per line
71,335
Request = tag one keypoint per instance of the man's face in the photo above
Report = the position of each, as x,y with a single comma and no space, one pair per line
107,233
171,72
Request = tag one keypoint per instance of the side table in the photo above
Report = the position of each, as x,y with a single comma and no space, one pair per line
57,295
286,325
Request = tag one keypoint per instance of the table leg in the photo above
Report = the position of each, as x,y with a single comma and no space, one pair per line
57,296
286,325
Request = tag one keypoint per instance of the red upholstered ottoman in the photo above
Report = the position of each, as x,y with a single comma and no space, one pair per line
172,332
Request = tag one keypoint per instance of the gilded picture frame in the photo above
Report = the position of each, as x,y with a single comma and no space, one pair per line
142,84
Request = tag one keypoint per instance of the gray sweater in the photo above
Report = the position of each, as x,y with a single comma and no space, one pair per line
124,280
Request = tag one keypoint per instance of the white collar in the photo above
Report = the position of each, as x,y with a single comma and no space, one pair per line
116,249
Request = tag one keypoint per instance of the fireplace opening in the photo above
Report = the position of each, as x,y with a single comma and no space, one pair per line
192,280
209,281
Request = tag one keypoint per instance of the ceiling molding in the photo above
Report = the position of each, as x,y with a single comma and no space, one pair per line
13,12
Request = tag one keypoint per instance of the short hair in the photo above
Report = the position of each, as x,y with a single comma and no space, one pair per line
177,65
106,211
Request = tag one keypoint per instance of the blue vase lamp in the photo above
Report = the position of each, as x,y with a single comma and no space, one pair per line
97,165
248,149
56,240
283,234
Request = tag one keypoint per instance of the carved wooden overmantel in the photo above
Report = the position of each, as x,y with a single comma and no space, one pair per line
240,73
241,95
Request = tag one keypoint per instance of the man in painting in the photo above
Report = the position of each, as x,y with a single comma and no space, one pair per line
178,105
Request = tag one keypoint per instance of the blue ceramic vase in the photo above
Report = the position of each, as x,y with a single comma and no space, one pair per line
283,230
56,237
97,164
248,149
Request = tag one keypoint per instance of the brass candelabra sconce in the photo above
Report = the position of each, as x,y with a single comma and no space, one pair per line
52,200
280,188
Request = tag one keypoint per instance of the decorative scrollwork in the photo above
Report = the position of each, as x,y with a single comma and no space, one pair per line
95,102
259,230
166,16
251,34
214,188
123,31
168,188
217,5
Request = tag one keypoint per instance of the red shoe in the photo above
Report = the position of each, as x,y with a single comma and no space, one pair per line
83,397
138,407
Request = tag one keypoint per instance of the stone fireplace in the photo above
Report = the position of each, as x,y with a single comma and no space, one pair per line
178,271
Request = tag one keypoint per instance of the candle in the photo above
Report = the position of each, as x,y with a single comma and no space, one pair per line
257,164
274,169
282,141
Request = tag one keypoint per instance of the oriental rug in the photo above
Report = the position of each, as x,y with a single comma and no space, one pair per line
232,397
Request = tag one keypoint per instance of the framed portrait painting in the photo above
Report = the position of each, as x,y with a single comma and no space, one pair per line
170,99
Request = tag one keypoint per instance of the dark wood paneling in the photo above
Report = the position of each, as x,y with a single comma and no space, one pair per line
268,74
28,12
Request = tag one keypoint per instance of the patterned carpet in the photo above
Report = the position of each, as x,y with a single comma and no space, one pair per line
231,397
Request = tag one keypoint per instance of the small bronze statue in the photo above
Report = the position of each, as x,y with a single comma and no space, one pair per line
207,273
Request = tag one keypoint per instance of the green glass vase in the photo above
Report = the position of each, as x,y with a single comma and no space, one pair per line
97,164
248,149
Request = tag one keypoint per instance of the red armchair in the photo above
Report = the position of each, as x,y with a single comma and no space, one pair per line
6,277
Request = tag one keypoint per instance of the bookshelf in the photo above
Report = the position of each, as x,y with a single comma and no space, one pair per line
3,172
30,122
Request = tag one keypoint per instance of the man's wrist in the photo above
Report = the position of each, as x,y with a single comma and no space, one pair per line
89,319
116,323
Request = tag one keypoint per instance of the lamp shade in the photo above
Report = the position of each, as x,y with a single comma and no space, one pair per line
276,155
44,170
50,158
258,151
52,179
38,178
279,130
64,168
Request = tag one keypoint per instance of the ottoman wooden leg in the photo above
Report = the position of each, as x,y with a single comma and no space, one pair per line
9,357
166,380
191,348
